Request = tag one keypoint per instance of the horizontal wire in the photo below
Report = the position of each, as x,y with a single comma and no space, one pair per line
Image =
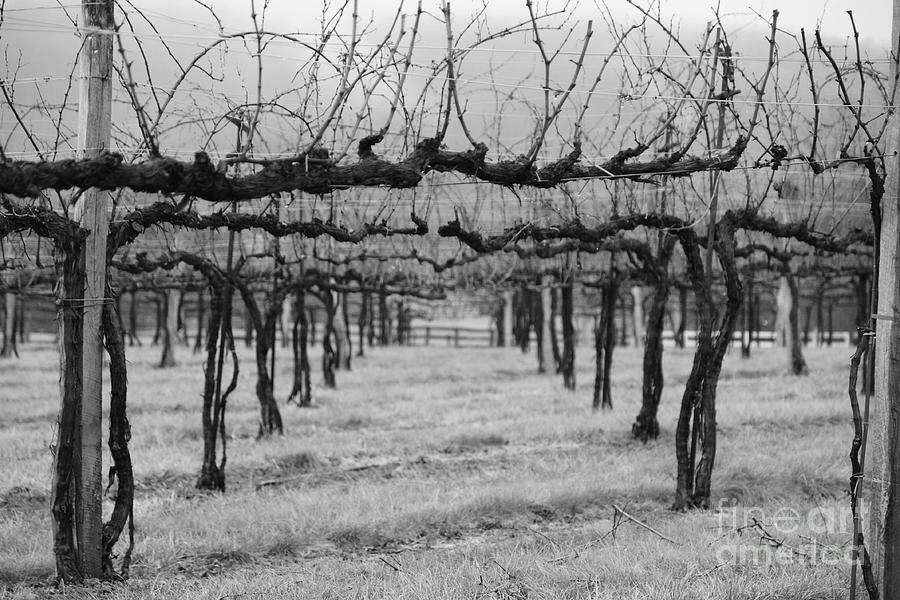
624,95
227,33
621,93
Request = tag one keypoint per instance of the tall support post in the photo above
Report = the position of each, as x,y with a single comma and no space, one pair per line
883,456
92,211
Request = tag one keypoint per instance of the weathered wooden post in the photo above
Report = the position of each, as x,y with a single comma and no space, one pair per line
882,511
92,211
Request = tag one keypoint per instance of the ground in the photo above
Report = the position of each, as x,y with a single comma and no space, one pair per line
446,473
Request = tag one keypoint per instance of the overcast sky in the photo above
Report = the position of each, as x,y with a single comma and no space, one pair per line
873,17
35,26
40,42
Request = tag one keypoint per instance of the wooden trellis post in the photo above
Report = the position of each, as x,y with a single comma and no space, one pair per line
92,211
882,476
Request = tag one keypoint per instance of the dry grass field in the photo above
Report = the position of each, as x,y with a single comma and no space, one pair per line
443,473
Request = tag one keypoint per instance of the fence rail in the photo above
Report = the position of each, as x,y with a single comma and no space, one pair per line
423,334
480,337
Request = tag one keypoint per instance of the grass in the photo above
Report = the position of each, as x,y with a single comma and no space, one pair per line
442,473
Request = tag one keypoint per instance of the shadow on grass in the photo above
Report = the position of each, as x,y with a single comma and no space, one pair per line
750,486
498,512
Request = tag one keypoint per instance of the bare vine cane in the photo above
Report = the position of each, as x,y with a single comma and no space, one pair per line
857,461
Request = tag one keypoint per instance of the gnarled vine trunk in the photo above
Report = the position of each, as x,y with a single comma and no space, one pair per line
682,317
567,362
820,316
160,318
362,321
604,342
264,324
63,491
370,321
695,434
248,329
301,391
23,322
795,343
646,425
219,340
329,356
403,322
524,317
119,436
554,342
201,317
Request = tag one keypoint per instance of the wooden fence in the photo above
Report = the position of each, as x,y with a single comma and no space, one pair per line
423,334
481,337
